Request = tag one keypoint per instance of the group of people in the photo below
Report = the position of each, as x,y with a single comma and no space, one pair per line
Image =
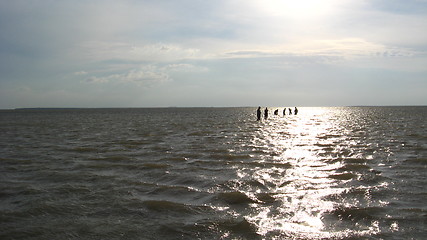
276,112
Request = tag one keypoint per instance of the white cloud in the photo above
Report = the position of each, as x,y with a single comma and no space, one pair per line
157,52
326,51
145,76
185,67
163,52
256,33
352,47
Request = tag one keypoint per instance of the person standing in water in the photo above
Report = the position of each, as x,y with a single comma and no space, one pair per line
290,111
296,111
265,113
284,111
258,114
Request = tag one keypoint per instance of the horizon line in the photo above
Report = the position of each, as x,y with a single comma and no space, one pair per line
64,108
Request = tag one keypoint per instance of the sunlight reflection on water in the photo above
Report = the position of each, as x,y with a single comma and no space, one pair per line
301,191
214,173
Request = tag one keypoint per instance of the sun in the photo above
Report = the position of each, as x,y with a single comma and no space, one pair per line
298,8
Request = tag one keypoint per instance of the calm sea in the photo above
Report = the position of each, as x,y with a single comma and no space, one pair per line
213,173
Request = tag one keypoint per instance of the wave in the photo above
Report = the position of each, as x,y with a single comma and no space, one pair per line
354,167
177,158
342,176
84,149
217,228
240,226
186,175
235,198
229,156
265,197
155,165
169,206
200,133
112,158
417,161
285,165
357,213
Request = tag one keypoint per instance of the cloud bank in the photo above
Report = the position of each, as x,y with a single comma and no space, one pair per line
224,53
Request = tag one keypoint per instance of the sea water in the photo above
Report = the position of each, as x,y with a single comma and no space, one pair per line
213,173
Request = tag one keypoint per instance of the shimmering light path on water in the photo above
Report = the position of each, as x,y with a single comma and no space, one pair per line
213,173
322,162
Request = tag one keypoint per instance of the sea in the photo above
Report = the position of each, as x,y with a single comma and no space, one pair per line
213,173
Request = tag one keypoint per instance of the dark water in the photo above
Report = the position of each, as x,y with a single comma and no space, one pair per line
213,173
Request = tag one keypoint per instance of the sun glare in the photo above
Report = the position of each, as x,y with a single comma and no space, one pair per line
298,9
301,187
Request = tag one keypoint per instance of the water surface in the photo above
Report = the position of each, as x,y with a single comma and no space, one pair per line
213,173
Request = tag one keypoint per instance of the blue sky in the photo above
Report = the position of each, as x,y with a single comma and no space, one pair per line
156,53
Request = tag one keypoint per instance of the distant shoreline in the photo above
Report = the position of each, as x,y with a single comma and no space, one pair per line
89,108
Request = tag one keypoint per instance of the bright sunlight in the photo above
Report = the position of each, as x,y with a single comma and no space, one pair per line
301,9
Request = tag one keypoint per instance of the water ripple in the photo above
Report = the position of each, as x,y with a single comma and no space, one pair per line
213,173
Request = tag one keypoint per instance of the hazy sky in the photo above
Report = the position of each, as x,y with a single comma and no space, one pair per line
158,53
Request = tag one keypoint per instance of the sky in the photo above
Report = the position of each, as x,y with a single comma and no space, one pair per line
222,53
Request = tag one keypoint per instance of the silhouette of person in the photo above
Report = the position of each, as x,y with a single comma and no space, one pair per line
284,111
258,114
296,111
265,113
276,112
290,111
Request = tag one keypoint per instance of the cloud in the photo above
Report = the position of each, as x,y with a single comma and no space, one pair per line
354,47
412,7
163,52
158,52
80,73
98,79
185,67
118,47
253,53
145,76
149,76
326,51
